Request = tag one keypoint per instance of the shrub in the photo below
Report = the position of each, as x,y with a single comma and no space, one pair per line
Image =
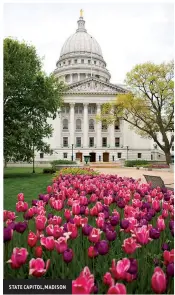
49,170
76,171
133,163
62,162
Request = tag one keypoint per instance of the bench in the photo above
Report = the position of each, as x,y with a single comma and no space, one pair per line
157,181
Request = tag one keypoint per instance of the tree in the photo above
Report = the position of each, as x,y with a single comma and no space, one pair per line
31,98
149,104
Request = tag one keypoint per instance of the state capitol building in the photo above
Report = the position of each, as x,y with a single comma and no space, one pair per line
77,133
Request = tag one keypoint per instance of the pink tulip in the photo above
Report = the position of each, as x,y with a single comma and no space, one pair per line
58,231
40,222
130,245
92,252
55,220
156,205
165,214
61,245
117,289
37,267
57,205
161,223
72,228
21,197
50,230
67,214
142,235
94,211
158,281
32,239
100,222
48,242
18,258
119,270
84,283
75,208
107,279
21,206
94,236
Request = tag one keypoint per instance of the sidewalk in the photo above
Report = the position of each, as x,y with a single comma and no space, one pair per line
168,177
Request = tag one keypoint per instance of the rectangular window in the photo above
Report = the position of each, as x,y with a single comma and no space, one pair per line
41,155
172,148
69,62
119,155
82,61
78,141
139,155
65,141
75,61
94,62
117,125
91,141
117,142
113,158
89,61
104,127
104,142
65,155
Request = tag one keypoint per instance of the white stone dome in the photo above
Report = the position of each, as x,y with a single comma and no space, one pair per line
81,42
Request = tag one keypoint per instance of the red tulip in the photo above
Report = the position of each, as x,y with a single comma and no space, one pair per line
61,245
94,211
32,239
18,258
156,205
48,243
49,189
40,222
100,222
92,252
38,251
158,281
21,206
67,214
57,205
168,256
130,245
117,289
21,197
94,236
75,208
50,230
37,267
55,220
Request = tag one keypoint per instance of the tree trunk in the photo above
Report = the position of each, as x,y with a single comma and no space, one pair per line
33,159
168,157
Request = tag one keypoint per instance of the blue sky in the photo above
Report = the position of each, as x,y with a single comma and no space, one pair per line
127,33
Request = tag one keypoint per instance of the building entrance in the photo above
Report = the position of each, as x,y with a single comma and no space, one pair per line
92,157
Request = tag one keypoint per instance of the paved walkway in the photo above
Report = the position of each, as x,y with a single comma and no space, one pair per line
168,177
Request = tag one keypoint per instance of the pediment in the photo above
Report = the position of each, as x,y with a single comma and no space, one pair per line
94,86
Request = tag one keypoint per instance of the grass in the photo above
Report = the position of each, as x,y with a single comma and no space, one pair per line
22,179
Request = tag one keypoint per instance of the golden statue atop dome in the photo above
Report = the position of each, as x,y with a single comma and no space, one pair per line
81,13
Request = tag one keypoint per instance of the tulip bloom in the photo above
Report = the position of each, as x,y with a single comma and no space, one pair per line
68,255
161,224
37,267
84,283
92,252
40,222
61,245
107,279
21,197
120,269
18,258
38,251
49,189
8,234
142,235
94,236
21,206
32,239
130,245
48,243
72,228
168,256
158,281
117,289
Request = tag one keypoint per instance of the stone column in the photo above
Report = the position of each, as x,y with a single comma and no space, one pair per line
78,77
111,136
71,125
71,78
98,133
58,129
85,126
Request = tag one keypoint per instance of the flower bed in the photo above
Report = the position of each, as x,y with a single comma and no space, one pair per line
110,235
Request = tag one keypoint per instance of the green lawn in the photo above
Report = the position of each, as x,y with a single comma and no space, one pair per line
18,180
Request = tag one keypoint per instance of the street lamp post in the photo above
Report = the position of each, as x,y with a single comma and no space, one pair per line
72,152
127,149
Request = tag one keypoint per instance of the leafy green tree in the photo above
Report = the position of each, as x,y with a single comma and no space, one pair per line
31,99
149,104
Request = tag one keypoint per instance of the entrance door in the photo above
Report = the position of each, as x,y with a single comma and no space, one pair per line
92,157
105,157
79,156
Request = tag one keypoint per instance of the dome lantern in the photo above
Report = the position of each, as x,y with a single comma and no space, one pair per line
81,23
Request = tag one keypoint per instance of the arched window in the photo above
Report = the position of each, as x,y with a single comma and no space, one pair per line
78,124
91,124
65,124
